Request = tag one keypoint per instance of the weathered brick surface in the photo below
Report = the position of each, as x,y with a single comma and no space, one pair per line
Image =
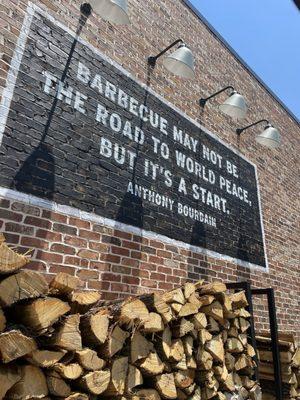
121,263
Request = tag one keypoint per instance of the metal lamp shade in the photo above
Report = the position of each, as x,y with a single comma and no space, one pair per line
270,137
114,11
235,106
181,62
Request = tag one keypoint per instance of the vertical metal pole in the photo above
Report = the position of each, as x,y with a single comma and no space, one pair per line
274,342
248,292
252,327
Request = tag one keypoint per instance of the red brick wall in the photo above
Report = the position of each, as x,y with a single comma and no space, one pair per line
121,263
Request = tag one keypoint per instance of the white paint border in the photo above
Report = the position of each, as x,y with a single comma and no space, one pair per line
12,74
28,199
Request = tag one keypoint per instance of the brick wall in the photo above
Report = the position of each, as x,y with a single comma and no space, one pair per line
124,261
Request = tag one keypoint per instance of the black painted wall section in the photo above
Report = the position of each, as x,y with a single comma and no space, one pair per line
118,164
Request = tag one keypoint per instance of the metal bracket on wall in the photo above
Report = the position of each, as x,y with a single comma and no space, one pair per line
269,292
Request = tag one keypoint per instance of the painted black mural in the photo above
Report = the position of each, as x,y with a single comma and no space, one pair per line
82,133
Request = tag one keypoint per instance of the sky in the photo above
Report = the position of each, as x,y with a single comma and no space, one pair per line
265,34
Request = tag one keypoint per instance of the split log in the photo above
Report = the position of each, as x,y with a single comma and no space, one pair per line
94,328
9,376
181,365
157,303
57,385
95,382
174,296
146,394
133,312
116,338
244,325
214,310
216,348
176,307
165,385
81,301
40,314
238,300
117,383
68,335
184,379
32,384
71,371
182,328
10,260
63,284
21,286
154,323
188,345
200,321
228,384
213,325
166,342
134,379
45,358
14,344
89,360
204,336
2,320
78,396
204,359
234,345
213,288
152,365
188,309
189,289
140,347
177,350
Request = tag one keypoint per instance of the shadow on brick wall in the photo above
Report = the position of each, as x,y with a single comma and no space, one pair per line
37,174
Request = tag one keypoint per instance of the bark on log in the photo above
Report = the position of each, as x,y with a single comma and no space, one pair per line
2,320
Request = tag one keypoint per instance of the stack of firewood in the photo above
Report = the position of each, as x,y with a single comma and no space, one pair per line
57,341
290,366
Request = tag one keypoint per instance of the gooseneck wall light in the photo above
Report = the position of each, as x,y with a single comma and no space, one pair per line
269,137
235,105
180,62
114,11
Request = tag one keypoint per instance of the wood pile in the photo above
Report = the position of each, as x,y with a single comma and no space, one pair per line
59,342
290,366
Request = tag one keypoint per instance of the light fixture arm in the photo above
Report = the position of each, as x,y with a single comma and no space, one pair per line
203,101
152,59
240,130
86,9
